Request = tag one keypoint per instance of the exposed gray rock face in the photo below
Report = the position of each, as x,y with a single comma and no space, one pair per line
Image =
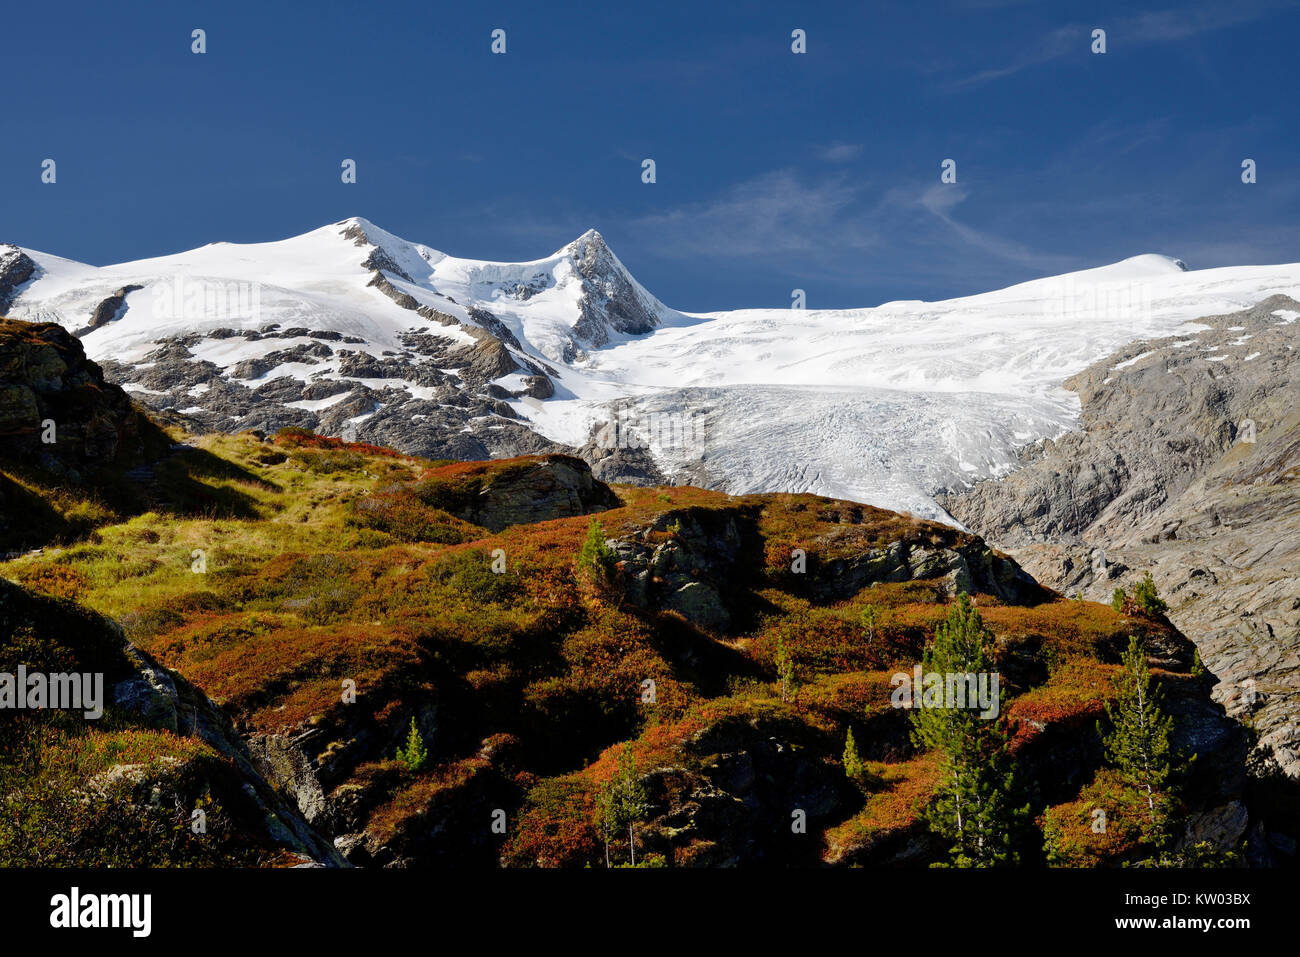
610,300
136,683
288,767
623,466
456,422
16,267
1187,465
493,325
380,260
692,573
310,766
150,692
1223,826
968,567
307,354
109,309
488,359
538,387
509,439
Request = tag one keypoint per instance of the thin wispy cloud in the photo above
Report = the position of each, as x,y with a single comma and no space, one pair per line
836,228
1145,29
1051,47
840,152
773,214
1168,26
941,199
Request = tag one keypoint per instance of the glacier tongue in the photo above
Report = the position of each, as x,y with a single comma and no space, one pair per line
880,446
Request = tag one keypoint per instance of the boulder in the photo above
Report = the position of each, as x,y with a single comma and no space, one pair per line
55,406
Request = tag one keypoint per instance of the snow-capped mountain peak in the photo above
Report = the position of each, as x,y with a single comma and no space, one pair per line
612,300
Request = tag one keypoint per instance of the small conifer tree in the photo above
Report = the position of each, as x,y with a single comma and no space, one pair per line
869,623
622,802
596,559
1148,599
1138,743
853,766
784,666
414,755
973,806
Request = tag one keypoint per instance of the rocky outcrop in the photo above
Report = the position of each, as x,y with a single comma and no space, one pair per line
731,799
55,406
456,422
1187,465
624,466
554,486
167,701
538,387
488,359
694,562
694,571
16,267
960,567
109,310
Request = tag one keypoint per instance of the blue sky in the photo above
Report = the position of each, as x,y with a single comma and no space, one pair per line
775,170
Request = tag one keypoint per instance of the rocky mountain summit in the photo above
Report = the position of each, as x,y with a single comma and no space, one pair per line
610,301
428,367
432,396
1186,465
